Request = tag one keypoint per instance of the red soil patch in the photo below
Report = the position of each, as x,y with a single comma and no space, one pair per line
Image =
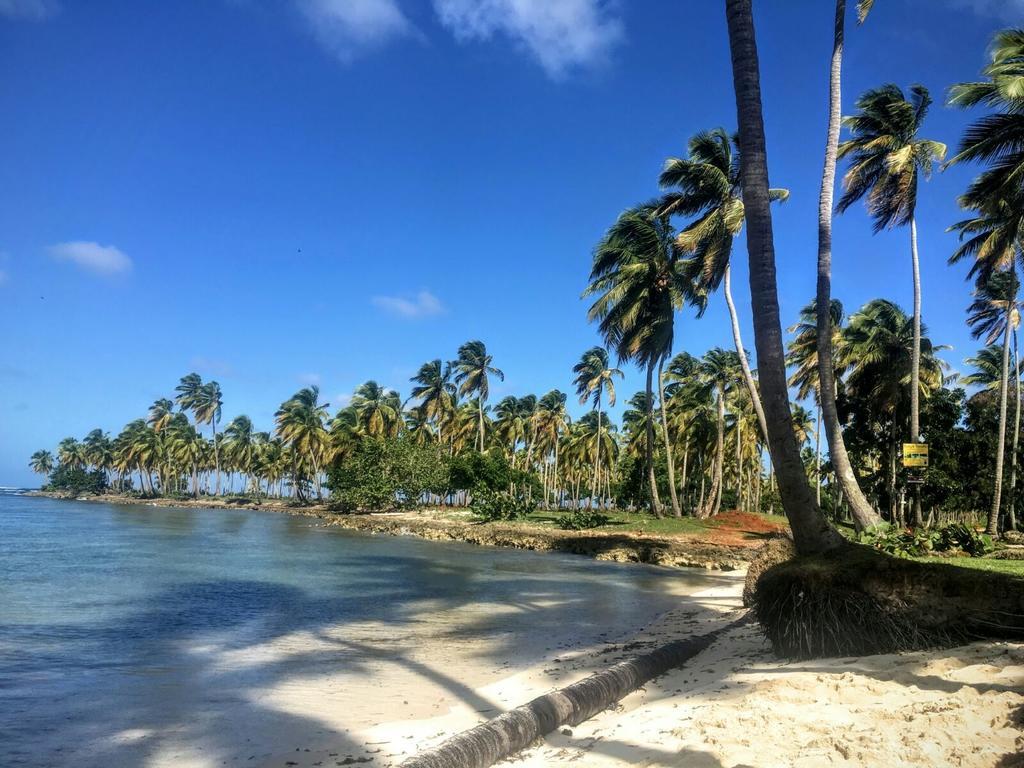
743,528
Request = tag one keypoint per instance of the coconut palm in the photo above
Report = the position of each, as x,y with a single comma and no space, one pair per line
97,450
639,280
593,378
863,515
995,312
435,391
300,425
802,356
378,410
160,413
998,138
240,446
41,462
887,157
71,454
206,408
472,371
811,532
707,186
718,370
551,422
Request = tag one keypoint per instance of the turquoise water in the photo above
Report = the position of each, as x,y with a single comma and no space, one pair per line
105,610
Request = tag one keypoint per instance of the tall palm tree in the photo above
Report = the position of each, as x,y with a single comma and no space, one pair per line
887,157
240,446
863,515
300,424
593,378
551,423
206,408
639,280
70,453
718,369
472,371
997,138
802,356
707,186
811,532
995,312
160,413
378,410
41,462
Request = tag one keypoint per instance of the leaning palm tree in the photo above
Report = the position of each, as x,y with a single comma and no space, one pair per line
864,516
887,157
995,312
41,462
472,371
707,186
593,378
811,532
998,138
639,280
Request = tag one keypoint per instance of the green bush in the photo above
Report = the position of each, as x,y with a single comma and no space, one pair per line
919,542
958,537
77,481
582,519
387,474
490,506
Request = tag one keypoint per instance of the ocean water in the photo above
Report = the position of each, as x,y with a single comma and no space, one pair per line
127,628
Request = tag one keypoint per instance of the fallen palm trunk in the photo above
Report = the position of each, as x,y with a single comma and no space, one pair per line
507,734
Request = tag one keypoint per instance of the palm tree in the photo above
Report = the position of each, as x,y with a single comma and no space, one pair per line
996,138
97,450
300,425
640,282
551,422
594,377
708,187
803,357
994,313
160,413
472,369
206,407
378,410
435,391
70,453
877,349
811,532
718,370
240,445
887,157
41,462
864,516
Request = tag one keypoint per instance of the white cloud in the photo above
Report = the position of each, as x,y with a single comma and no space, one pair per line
1007,10
348,28
29,10
105,259
423,304
341,400
560,34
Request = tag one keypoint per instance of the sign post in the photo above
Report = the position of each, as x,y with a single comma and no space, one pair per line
915,457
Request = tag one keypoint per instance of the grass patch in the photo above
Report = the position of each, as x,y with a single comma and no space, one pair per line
1010,567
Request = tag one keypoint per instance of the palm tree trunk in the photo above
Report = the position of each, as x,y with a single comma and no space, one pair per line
863,515
597,450
915,365
993,515
811,532
676,509
1011,520
216,453
649,452
686,456
817,458
480,422
748,376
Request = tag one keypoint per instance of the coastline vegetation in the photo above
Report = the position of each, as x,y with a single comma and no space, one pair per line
706,433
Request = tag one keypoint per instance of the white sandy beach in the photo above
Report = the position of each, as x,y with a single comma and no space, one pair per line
734,705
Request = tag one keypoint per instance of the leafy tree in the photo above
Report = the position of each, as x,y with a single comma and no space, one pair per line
473,370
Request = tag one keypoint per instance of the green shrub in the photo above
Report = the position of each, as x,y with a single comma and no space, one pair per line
77,481
490,506
387,474
582,519
958,537
918,542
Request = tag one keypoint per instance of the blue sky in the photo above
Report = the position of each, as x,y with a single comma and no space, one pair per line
282,192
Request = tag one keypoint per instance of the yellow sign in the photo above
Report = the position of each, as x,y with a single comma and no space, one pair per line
915,454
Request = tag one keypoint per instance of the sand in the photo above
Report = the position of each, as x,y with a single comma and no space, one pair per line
736,705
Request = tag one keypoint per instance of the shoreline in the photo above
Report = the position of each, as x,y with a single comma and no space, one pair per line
611,546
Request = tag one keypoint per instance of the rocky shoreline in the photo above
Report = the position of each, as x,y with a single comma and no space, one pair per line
623,547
